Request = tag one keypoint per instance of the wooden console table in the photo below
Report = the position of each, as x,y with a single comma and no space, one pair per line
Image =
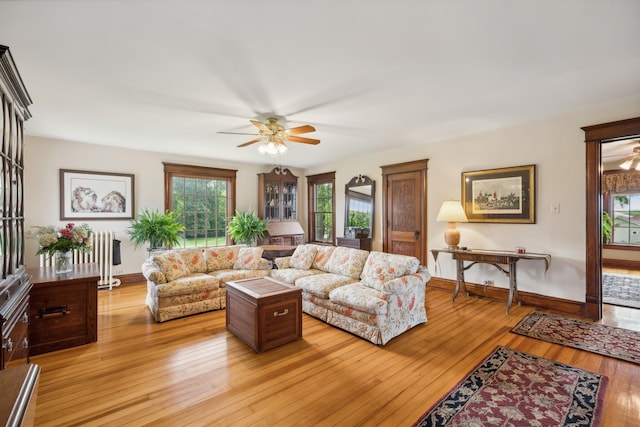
495,258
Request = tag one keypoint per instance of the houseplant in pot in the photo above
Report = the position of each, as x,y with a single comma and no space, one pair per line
246,227
159,230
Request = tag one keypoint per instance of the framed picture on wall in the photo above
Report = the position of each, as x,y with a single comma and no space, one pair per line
500,195
96,195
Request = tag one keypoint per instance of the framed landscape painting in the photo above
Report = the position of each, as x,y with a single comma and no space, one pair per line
96,195
500,195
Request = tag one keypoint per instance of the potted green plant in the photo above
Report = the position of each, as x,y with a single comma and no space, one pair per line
246,227
160,230
607,227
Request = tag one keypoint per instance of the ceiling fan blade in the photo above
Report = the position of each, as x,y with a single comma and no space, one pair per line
237,133
304,140
253,141
260,125
301,129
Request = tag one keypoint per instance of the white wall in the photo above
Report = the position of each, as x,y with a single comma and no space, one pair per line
45,157
554,145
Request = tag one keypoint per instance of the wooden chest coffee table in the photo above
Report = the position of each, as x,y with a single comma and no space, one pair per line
264,312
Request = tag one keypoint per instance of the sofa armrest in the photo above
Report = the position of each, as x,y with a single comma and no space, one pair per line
152,272
283,262
404,284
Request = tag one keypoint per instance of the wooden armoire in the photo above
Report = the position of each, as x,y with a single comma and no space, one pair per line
14,282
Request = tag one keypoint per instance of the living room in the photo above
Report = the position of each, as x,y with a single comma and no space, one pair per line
550,139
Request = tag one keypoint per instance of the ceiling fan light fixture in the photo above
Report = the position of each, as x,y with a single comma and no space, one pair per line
272,148
626,165
274,136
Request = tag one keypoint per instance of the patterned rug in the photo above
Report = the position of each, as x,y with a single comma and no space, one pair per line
621,289
511,388
605,340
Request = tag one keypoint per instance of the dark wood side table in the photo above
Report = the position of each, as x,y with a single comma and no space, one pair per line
264,312
356,243
271,252
481,256
63,309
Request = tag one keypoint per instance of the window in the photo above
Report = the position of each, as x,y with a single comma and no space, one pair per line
625,212
321,191
205,199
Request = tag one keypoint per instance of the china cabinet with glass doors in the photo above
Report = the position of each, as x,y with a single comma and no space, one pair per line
278,197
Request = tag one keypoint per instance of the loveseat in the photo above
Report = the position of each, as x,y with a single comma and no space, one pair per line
374,295
189,281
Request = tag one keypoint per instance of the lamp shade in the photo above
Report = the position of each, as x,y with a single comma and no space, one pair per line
451,211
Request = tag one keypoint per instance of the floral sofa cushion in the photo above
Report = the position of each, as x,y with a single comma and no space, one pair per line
232,275
249,258
221,258
382,267
303,257
321,284
323,253
194,259
347,261
360,297
290,275
171,264
190,284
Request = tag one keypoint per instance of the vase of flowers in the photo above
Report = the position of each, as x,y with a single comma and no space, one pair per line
61,242
63,262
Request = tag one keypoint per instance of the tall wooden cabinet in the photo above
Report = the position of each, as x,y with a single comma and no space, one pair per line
14,282
278,205
278,198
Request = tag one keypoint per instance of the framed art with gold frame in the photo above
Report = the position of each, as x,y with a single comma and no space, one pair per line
504,195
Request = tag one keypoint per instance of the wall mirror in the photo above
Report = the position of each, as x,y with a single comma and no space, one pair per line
359,207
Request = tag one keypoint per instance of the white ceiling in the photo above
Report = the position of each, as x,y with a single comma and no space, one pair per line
368,74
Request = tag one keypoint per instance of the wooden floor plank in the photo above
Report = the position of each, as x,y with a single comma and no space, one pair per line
192,371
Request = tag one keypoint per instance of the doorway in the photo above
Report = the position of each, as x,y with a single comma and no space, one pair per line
621,223
404,209
595,136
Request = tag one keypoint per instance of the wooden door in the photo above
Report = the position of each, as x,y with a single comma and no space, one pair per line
404,209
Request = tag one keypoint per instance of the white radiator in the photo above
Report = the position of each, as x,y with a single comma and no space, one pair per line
102,254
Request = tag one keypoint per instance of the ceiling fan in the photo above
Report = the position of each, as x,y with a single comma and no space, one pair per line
619,151
274,132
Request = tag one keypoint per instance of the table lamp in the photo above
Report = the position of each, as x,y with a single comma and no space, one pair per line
452,212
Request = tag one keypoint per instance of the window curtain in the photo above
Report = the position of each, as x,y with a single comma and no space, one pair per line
621,182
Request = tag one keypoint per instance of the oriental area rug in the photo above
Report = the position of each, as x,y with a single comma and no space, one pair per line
621,289
512,388
593,337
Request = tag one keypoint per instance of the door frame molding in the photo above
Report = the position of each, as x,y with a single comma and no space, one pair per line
595,136
412,166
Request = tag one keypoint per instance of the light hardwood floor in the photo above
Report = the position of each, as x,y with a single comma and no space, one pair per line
192,371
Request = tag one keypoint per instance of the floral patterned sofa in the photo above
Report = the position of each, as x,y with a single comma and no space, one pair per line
374,295
189,281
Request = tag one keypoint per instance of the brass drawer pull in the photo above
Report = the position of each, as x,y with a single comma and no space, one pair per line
284,313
